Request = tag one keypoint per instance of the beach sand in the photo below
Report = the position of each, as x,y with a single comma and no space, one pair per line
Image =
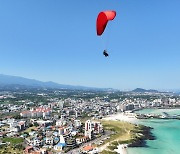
129,117
121,149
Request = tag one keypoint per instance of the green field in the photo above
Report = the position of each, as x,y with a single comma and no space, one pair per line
124,133
14,147
10,150
13,141
29,129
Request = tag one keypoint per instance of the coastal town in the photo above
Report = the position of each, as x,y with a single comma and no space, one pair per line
69,121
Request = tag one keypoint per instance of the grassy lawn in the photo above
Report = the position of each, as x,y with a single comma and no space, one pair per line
124,133
10,150
84,119
15,146
13,141
108,152
29,129
4,127
122,130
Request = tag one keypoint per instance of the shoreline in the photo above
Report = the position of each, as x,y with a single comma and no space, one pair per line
146,135
144,132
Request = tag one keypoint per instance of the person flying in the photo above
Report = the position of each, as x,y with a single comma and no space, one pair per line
105,53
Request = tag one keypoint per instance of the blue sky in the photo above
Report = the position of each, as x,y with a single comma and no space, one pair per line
55,40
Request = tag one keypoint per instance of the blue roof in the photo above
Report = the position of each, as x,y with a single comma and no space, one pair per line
56,138
61,144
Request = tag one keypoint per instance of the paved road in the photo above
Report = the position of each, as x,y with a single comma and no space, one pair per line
97,140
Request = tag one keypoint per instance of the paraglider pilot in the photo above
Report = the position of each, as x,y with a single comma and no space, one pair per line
105,53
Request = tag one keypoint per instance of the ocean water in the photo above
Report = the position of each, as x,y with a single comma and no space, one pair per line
167,133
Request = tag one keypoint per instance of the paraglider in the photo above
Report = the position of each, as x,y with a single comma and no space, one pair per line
105,53
101,24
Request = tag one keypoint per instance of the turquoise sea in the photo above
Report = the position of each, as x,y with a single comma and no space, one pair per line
167,133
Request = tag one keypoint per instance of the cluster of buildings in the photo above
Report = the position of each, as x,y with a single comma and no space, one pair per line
37,112
140,103
11,127
57,124
57,135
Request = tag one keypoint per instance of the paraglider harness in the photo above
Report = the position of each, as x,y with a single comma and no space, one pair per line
105,53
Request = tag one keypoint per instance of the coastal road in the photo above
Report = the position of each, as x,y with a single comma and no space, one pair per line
97,140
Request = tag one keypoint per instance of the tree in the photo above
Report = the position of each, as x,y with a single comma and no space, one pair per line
17,117
36,124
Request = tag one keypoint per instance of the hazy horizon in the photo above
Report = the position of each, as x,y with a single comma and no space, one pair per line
161,90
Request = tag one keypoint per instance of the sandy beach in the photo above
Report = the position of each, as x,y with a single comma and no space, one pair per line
129,117
122,149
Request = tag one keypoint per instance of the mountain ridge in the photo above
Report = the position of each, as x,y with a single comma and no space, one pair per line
16,81
141,90
11,81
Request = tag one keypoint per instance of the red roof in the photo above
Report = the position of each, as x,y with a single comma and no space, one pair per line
87,148
29,147
21,123
25,112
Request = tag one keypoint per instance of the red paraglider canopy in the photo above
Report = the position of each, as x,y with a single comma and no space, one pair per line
103,19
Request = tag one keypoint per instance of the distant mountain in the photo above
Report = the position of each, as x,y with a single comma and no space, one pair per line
21,82
140,90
